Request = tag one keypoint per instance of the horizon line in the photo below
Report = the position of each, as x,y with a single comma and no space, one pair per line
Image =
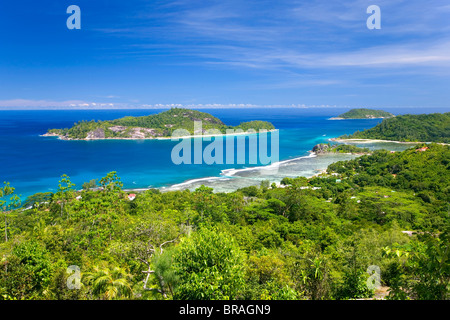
201,106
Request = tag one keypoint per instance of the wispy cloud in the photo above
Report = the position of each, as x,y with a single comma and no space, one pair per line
18,104
27,103
299,34
184,50
387,56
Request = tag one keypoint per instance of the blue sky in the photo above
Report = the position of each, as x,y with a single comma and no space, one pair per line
134,54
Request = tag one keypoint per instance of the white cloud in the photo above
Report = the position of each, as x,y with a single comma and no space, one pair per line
415,54
291,35
40,104
395,56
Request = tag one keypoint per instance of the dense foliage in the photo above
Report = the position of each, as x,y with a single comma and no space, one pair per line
423,127
307,239
157,125
339,148
365,113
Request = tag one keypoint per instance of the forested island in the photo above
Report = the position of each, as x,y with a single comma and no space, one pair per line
160,125
364,114
309,238
433,127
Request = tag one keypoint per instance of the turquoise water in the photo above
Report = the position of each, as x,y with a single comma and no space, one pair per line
32,163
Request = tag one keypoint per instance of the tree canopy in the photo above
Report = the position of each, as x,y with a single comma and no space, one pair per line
410,128
312,238
156,125
363,113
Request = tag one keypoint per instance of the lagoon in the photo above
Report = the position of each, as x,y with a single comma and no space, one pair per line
32,163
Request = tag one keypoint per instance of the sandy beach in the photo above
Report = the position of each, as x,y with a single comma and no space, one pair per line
379,140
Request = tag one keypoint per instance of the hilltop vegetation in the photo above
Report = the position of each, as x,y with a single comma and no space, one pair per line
409,128
324,148
312,239
365,114
152,126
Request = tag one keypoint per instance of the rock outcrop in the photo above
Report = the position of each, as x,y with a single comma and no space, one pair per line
321,148
96,134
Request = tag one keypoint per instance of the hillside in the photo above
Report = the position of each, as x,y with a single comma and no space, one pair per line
160,125
409,128
283,243
364,114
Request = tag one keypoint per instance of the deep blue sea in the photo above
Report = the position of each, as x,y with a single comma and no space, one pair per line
32,163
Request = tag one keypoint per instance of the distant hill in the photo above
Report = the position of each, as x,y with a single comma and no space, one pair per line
364,114
409,128
160,125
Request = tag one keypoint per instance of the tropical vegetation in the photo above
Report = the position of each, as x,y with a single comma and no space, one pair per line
316,238
363,113
163,124
433,127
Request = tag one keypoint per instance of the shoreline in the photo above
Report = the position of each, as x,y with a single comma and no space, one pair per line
339,118
370,141
381,141
230,173
226,173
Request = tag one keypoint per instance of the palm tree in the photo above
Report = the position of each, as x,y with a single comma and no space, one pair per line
316,266
109,285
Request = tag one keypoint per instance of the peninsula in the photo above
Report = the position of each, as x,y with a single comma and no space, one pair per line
364,114
433,127
156,126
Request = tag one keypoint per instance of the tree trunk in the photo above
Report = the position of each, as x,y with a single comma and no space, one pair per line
6,229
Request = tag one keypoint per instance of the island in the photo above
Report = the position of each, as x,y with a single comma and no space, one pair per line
155,126
433,127
364,114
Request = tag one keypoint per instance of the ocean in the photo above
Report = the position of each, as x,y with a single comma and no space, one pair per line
32,163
